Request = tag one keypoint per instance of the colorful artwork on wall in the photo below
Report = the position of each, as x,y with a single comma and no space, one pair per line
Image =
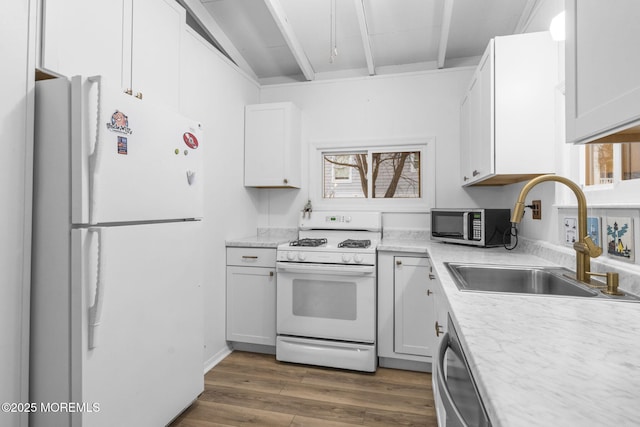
620,238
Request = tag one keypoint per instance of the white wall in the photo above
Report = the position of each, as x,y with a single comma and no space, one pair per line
394,107
16,136
215,93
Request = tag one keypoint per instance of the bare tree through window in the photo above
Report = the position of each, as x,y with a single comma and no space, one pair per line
393,175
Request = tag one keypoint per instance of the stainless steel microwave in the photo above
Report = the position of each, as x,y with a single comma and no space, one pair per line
476,227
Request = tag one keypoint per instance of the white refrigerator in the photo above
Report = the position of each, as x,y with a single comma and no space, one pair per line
116,315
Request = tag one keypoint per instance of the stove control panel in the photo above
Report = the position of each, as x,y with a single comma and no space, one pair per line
326,257
337,218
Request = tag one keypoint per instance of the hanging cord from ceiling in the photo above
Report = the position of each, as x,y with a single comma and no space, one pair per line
334,43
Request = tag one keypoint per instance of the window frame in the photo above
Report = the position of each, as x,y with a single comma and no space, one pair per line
618,193
425,145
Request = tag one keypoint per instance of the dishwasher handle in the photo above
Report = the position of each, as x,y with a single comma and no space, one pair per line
453,416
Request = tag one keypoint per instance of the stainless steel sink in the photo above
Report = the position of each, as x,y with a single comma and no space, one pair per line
522,280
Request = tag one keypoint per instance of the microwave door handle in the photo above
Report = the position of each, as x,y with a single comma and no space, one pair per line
454,417
465,225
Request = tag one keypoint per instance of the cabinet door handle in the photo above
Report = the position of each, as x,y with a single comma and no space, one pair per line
139,95
129,92
432,277
438,329
429,292
476,173
466,178
271,274
249,257
286,181
398,262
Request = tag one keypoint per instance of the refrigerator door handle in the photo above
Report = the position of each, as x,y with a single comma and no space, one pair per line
94,158
95,310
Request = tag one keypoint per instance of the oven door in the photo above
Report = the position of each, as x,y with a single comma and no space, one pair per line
327,301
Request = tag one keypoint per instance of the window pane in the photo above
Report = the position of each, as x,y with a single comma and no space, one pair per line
345,175
396,175
630,160
599,164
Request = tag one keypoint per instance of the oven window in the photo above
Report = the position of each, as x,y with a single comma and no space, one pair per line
324,299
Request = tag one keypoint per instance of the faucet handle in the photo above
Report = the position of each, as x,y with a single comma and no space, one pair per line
593,250
612,282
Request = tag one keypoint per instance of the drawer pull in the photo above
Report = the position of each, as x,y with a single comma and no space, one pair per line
249,257
271,274
432,276
398,262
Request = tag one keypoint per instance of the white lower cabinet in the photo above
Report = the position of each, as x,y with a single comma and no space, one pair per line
407,312
251,295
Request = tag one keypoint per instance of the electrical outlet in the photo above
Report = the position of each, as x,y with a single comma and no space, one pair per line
536,210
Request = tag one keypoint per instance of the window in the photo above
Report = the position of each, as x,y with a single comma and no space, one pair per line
394,174
371,175
610,163
338,175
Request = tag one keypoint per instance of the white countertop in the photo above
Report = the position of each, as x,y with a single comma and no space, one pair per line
265,238
542,360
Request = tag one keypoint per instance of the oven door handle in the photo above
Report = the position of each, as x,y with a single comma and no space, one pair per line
340,270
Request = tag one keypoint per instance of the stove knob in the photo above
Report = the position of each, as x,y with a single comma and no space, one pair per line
357,258
346,258
302,256
291,256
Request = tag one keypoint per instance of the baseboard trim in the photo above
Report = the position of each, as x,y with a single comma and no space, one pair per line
406,365
216,358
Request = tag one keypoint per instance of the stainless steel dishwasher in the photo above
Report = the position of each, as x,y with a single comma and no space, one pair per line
456,387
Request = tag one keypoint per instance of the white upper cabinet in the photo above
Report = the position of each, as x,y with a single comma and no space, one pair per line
272,156
508,114
83,37
602,71
134,44
155,50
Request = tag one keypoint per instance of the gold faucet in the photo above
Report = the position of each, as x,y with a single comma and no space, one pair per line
585,247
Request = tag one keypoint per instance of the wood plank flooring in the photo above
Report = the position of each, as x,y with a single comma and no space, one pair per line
255,389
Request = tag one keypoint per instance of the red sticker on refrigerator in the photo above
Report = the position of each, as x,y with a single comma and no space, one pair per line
191,140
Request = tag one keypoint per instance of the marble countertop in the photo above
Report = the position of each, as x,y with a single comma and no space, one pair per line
255,242
542,360
265,238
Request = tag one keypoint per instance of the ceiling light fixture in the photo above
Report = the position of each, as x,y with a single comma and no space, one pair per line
557,27
334,44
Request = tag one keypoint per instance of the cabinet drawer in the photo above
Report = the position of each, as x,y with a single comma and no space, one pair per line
255,257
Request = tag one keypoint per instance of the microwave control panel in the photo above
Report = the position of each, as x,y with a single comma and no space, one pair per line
476,226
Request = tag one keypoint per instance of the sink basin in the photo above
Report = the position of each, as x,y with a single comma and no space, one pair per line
518,279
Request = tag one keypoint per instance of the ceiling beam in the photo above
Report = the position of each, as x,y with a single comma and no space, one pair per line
447,13
206,21
277,12
364,33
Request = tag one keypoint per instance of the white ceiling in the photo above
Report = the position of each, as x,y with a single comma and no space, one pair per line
291,40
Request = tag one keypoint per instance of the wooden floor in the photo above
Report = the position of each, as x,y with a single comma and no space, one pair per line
255,389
